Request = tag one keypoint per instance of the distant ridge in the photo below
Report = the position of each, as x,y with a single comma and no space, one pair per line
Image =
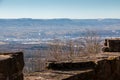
27,29
83,23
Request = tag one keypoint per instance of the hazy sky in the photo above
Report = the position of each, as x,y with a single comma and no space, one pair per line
80,9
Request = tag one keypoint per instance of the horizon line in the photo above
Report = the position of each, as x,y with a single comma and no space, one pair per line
59,18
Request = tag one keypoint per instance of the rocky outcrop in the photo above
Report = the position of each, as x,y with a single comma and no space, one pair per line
103,69
107,69
111,45
11,66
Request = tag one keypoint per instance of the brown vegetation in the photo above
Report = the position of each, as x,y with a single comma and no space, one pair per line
64,51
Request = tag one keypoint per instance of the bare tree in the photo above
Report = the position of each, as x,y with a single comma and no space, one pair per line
71,49
55,50
92,42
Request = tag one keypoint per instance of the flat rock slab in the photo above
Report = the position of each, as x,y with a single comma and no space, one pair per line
3,57
11,66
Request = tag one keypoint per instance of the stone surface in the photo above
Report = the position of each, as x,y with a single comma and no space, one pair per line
11,66
111,45
108,69
105,67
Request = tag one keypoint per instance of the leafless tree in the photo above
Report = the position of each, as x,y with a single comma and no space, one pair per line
55,50
92,42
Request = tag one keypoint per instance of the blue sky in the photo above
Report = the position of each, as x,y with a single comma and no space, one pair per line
47,9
